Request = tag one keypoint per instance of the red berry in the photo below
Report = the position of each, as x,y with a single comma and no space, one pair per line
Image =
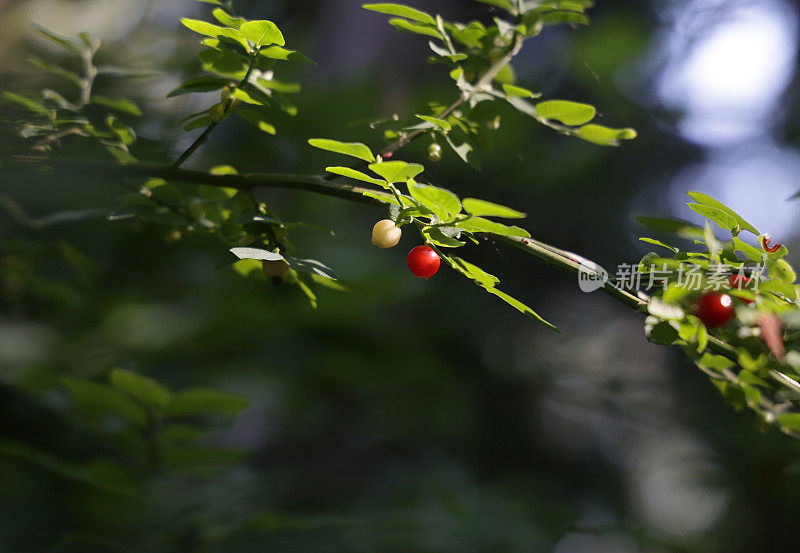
423,261
739,282
714,309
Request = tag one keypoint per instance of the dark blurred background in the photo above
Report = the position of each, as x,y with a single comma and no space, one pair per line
409,415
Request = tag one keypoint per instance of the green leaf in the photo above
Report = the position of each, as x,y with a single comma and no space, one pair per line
354,149
255,117
416,28
353,174
311,266
705,199
516,304
478,224
262,33
198,123
673,249
214,31
402,11
228,20
663,334
28,103
280,86
781,270
256,253
224,63
250,96
723,219
518,91
465,150
56,70
206,400
752,253
469,35
249,268
445,53
381,197
604,136
125,133
473,272
201,84
64,42
506,75
437,237
569,113
94,399
119,104
396,171
124,72
671,225
279,53
488,209
142,388
702,338
441,123
442,202
790,421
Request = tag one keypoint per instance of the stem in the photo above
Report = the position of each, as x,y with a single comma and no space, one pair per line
317,184
196,144
463,98
89,75
229,104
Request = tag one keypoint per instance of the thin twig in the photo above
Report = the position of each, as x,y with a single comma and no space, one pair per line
228,106
483,83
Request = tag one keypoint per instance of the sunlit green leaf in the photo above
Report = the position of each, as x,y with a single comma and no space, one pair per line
119,104
569,113
28,103
402,11
353,174
354,149
722,218
489,209
707,200
518,91
311,266
280,53
416,28
604,136
516,304
396,171
443,203
262,33
256,118
441,123
478,224
228,20
209,29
